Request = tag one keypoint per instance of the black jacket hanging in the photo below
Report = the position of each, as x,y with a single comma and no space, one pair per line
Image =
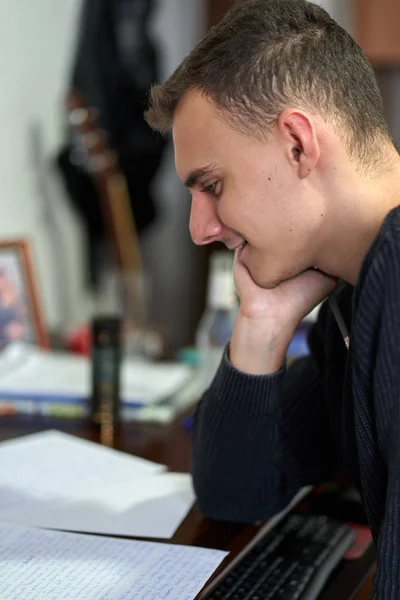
115,65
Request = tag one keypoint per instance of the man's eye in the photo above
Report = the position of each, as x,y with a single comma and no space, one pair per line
211,189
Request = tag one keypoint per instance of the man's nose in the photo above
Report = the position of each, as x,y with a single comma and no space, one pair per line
205,227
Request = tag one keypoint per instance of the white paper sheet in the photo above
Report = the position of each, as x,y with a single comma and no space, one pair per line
38,564
152,506
53,467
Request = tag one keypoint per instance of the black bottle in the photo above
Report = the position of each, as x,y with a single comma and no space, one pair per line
104,402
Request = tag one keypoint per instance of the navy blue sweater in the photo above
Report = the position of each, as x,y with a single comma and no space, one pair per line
258,439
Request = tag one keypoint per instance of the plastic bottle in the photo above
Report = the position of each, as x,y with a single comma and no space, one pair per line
215,327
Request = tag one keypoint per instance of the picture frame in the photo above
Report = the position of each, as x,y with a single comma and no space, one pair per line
21,316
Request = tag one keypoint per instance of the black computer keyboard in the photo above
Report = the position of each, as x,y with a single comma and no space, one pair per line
292,562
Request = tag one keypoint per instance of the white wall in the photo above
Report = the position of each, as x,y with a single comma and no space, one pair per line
35,46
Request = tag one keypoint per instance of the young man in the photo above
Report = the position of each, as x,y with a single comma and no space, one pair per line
279,134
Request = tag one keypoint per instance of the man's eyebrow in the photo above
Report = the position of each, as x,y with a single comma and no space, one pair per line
193,178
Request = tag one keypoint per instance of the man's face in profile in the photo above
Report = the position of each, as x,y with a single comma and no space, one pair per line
245,192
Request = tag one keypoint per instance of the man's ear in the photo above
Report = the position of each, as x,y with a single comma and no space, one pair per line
297,132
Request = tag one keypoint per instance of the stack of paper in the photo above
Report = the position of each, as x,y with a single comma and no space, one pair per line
39,564
59,481
28,373
54,480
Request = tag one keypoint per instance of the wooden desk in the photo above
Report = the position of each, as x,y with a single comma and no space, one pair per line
170,445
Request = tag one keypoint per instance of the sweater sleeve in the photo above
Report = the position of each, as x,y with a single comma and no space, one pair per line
258,439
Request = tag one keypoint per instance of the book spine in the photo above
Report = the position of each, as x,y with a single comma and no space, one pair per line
63,410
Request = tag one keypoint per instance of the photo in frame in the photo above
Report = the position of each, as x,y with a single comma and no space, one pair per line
21,317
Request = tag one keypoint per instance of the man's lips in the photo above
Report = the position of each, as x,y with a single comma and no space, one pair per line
237,247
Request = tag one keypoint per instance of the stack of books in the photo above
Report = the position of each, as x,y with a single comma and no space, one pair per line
34,381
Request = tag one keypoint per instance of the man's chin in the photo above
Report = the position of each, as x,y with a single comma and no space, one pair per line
267,284
272,282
